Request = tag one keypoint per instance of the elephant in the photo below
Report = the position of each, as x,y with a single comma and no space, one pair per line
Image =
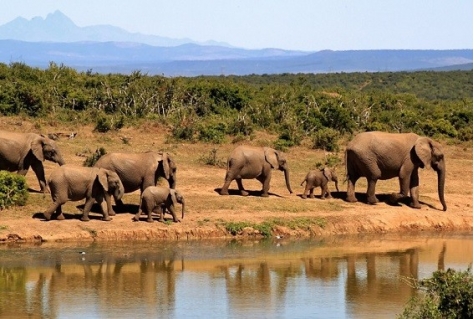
139,170
247,162
19,151
73,183
380,155
319,178
160,198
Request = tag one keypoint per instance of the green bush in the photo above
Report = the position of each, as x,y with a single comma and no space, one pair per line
13,189
212,133
446,295
327,139
91,160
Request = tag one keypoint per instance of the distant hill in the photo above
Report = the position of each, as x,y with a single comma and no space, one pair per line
108,49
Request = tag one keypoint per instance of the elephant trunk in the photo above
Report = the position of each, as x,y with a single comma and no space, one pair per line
119,191
287,180
182,208
441,170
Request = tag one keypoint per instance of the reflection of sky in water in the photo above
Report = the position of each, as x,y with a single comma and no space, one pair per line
295,280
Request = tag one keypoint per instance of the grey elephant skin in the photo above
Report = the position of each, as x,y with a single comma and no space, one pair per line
158,199
73,183
139,170
380,155
247,162
20,151
319,178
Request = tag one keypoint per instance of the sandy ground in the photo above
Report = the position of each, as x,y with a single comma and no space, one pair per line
208,213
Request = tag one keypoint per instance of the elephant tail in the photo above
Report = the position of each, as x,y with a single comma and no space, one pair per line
304,180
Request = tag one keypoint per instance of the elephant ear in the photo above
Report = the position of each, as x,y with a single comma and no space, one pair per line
166,165
37,148
271,156
423,150
103,180
327,173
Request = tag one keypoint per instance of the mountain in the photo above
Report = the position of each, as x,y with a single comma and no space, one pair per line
108,49
57,27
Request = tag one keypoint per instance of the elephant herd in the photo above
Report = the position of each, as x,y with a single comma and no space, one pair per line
373,155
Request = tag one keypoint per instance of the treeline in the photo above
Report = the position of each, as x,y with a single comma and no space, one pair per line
322,107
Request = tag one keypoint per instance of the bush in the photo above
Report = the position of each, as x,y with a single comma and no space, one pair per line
91,160
447,294
13,189
326,139
212,133
212,159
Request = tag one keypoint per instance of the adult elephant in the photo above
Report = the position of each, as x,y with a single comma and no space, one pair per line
20,151
379,155
139,170
73,183
246,162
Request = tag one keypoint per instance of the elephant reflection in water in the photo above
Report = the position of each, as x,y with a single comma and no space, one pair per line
245,284
324,268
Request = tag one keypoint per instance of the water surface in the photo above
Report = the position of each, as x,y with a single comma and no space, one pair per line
340,277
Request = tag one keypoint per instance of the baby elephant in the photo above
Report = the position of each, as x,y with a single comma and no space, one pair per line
157,199
73,183
319,178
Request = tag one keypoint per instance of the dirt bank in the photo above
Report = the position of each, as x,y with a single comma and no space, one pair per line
210,215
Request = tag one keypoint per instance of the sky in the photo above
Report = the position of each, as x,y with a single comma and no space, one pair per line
306,25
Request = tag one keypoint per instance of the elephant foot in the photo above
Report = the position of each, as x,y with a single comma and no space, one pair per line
85,219
415,205
351,199
303,196
149,220
224,192
311,196
136,218
47,216
244,193
60,217
372,200
112,213
106,219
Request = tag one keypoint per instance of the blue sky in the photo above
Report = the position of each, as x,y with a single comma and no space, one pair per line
309,25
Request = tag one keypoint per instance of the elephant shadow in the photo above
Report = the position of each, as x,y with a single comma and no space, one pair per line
386,198
119,209
236,192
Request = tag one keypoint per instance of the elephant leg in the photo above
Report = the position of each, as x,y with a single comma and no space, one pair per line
87,209
351,181
325,192
39,171
51,209
105,211
265,180
404,189
108,200
59,213
225,188
172,211
161,212
371,199
414,190
311,192
136,218
243,192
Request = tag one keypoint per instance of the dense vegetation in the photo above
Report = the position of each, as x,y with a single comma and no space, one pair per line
13,190
318,107
446,295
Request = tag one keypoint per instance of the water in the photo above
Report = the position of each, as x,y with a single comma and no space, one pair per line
340,277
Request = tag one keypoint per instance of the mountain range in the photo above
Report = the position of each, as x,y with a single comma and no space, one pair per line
109,49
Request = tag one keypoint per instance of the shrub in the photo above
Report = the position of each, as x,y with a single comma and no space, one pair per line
13,189
212,159
447,294
326,139
91,160
212,133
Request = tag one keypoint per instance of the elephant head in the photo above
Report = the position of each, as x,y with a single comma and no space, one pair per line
176,197
330,176
111,183
169,169
44,148
430,153
277,160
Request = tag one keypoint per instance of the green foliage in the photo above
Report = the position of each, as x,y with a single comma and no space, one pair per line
94,157
207,108
212,159
446,295
326,139
13,189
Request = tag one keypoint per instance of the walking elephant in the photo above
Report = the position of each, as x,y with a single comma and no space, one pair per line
319,178
20,151
158,199
246,162
139,170
73,183
379,155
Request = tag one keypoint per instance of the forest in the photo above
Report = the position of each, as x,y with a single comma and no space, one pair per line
321,108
